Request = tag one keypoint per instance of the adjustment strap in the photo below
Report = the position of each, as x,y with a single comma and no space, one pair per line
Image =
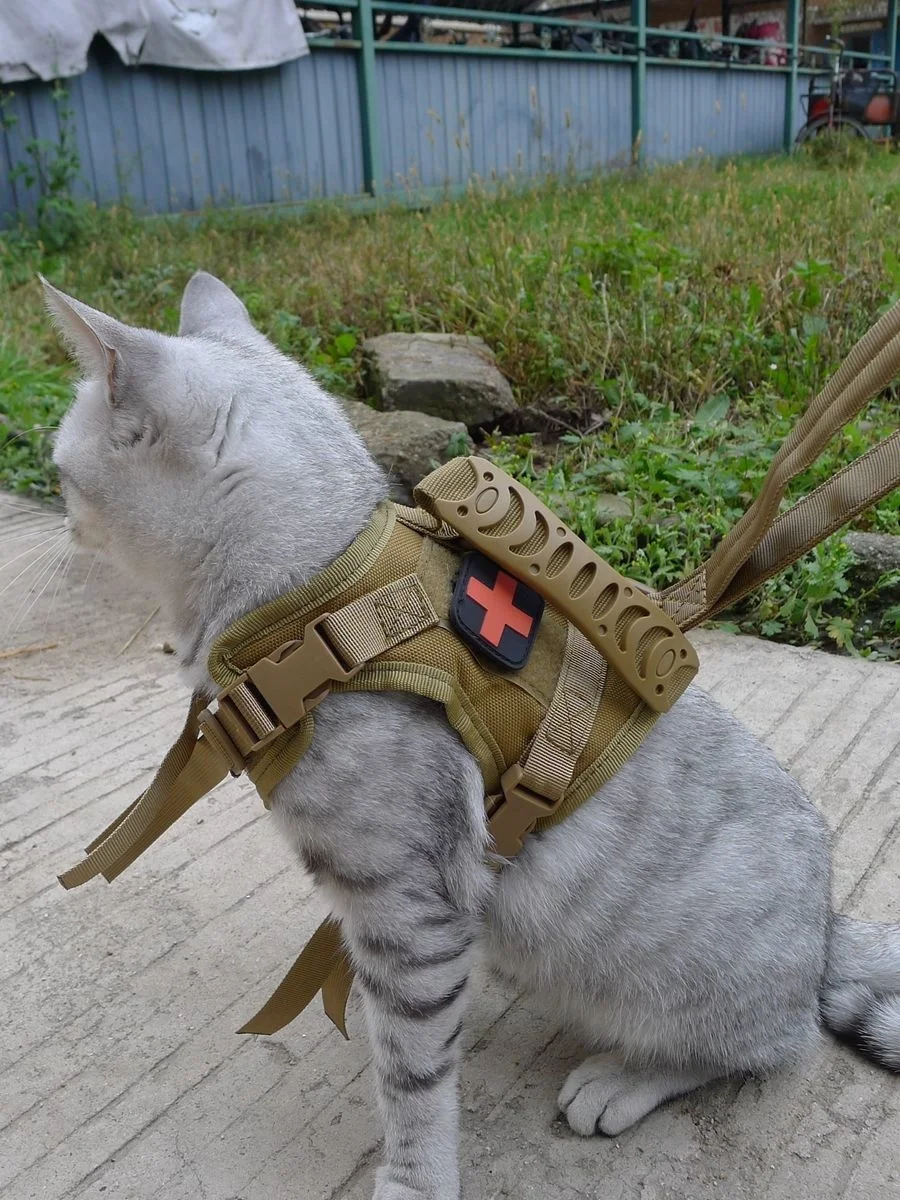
534,786
322,965
190,770
278,691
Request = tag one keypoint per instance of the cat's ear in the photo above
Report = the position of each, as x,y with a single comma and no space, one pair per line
210,306
93,338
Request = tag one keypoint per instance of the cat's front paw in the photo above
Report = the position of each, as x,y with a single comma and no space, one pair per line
386,1189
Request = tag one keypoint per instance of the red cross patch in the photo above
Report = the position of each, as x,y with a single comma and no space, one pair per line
494,612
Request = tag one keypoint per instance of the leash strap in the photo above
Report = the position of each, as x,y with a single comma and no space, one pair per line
761,544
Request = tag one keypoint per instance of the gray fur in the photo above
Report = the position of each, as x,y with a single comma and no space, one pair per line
680,919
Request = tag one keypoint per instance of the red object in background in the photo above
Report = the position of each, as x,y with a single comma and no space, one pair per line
819,107
879,110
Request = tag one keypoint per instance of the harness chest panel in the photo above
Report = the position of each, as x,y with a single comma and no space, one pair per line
497,712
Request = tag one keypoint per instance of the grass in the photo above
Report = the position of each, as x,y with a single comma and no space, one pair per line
687,315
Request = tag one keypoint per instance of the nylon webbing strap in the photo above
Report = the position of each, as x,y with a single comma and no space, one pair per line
534,786
322,962
380,620
824,510
869,367
561,737
190,770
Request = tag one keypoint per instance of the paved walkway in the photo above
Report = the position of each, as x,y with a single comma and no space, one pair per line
120,1072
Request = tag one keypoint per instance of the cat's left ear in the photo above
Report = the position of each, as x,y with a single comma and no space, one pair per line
93,338
209,306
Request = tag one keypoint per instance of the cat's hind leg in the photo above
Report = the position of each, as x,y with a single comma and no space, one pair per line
603,1096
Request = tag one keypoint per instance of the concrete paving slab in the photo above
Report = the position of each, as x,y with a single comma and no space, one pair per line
121,1076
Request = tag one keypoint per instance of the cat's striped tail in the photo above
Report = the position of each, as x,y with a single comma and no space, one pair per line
860,997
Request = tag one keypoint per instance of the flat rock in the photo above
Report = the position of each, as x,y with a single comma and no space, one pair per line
611,507
408,445
875,554
447,375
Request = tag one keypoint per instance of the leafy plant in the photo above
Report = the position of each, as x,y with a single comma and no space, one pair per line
53,167
32,400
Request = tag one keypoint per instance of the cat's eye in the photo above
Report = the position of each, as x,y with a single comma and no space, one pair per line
140,433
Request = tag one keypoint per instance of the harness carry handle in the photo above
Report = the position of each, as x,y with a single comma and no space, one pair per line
761,544
500,517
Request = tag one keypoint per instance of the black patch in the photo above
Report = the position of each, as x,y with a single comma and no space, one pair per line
496,614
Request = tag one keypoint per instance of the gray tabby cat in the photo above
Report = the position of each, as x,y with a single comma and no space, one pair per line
680,919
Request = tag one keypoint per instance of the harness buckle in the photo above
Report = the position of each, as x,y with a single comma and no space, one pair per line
274,694
298,675
516,812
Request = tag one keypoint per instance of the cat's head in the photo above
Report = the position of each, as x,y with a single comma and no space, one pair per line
207,465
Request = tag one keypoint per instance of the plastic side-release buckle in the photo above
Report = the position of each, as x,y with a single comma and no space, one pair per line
516,812
274,694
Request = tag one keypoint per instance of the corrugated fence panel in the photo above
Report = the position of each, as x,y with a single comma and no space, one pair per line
173,140
800,109
445,119
178,140
713,112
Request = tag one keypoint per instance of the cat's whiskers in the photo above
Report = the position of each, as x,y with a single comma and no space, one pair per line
31,509
47,574
7,539
47,558
53,537
62,575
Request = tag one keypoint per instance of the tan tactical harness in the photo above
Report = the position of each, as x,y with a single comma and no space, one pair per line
608,657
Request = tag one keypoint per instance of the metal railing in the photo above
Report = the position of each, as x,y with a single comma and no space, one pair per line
634,43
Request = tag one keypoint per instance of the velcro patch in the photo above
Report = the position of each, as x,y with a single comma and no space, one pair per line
496,614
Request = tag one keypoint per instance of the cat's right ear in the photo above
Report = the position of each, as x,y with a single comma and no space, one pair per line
91,336
209,306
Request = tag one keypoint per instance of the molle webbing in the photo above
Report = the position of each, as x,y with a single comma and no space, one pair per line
608,658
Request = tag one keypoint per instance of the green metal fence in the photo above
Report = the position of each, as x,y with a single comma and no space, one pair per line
368,46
